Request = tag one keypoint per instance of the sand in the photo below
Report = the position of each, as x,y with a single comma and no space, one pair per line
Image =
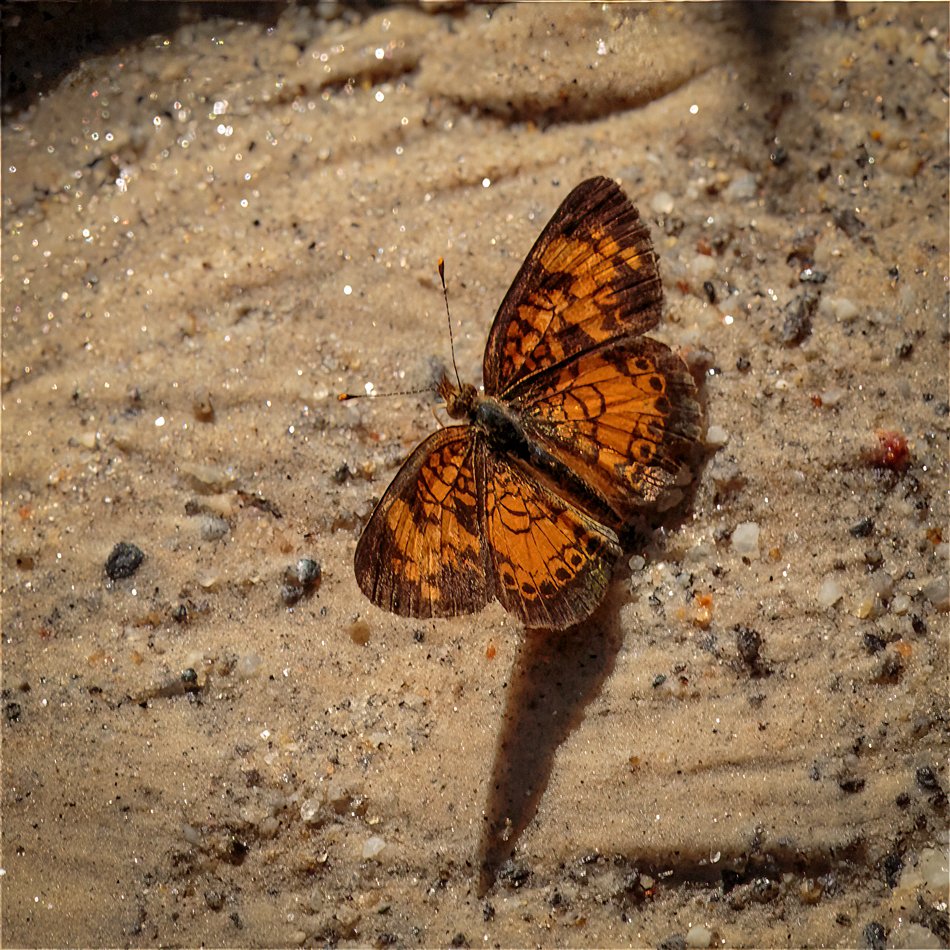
211,231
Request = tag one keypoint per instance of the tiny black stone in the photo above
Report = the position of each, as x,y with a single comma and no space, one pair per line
850,784
873,643
927,778
875,937
862,528
123,561
892,865
12,712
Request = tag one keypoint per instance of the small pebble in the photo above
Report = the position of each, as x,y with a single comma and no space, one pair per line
862,528
637,562
741,188
840,308
213,529
704,267
900,605
933,867
359,632
745,539
938,593
299,581
206,479
662,202
123,561
699,936
373,846
830,591
831,398
248,665
716,437
310,811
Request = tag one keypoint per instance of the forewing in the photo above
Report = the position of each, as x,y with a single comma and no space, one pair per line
551,562
623,417
422,553
591,276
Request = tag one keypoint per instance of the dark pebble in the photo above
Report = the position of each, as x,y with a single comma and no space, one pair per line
862,528
927,778
873,643
749,645
892,865
12,712
673,942
214,900
300,581
798,315
850,784
875,937
124,560
513,875
848,221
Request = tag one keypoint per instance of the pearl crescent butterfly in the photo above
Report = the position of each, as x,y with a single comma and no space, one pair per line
583,421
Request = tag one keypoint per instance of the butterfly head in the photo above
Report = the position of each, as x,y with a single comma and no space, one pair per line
459,399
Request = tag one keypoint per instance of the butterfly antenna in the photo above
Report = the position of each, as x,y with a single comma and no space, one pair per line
445,297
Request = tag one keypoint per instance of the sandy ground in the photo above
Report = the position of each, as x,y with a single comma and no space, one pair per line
210,232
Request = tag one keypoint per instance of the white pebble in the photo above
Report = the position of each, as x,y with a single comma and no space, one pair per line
830,591
372,846
741,188
248,665
842,309
933,868
637,562
704,267
699,936
661,202
900,605
716,437
745,539
938,593
831,398
310,811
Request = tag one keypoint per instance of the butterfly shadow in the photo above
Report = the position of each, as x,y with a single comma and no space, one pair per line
555,676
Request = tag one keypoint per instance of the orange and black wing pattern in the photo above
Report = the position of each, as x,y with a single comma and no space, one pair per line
623,417
423,551
590,277
551,561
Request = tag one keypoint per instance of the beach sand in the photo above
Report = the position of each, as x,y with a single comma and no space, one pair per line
210,232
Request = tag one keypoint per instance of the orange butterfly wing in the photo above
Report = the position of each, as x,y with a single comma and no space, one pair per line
591,276
551,561
622,417
423,553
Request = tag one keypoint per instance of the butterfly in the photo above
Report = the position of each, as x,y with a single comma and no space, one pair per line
583,422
